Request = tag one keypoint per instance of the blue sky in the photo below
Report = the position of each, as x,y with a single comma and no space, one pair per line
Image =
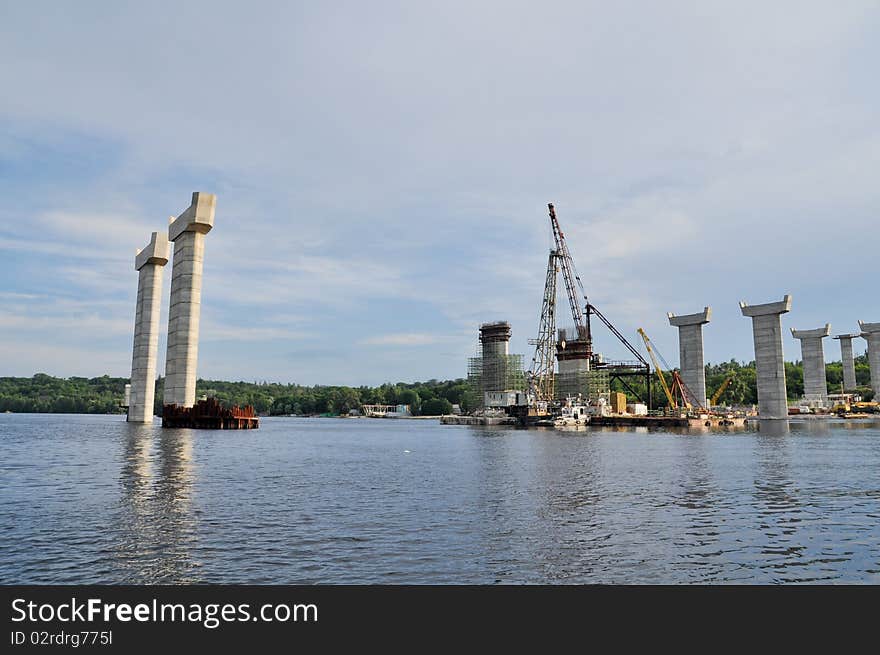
382,172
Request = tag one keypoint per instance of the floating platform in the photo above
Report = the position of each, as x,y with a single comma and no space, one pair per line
451,419
604,421
210,415
668,421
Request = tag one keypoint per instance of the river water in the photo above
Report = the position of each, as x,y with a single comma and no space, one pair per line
93,499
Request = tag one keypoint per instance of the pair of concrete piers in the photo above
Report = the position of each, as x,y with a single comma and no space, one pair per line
187,232
769,361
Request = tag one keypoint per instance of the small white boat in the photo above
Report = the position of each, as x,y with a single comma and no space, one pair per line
572,414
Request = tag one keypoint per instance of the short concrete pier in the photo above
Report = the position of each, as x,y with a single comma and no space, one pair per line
149,263
848,359
690,350
813,356
871,334
769,362
188,234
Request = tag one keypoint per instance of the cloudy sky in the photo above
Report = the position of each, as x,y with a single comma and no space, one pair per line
382,172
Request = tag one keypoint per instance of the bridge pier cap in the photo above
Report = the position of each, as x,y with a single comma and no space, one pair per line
767,309
198,217
869,328
155,252
700,318
818,333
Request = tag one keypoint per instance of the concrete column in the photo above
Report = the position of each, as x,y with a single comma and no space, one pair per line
813,356
871,334
187,232
849,361
690,352
767,332
150,263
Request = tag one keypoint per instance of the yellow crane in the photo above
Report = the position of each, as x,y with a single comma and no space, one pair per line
721,389
657,367
678,384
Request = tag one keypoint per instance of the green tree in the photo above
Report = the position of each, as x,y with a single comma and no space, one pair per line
436,407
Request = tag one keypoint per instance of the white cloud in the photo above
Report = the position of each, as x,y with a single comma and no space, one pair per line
697,153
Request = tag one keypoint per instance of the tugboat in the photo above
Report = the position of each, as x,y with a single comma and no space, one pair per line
572,413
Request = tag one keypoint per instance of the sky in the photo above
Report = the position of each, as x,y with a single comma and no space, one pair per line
383,170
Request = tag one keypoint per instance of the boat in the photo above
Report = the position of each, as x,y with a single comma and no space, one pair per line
572,413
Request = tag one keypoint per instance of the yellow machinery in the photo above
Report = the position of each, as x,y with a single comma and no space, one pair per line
666,389
841,408
721,390
678,384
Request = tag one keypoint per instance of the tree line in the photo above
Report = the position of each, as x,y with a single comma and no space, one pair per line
104,395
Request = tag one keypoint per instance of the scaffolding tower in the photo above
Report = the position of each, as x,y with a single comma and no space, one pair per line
496,374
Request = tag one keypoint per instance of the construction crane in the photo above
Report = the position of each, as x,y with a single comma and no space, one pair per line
572,281
541,380
678,386
581,315
666,389
721,390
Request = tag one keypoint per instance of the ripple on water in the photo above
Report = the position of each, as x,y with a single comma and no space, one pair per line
93,499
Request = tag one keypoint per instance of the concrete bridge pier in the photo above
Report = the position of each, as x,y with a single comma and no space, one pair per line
813,356
848,359
871,334
769,362
149,262
187,232
690,350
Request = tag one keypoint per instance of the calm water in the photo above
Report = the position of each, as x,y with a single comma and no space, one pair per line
90,499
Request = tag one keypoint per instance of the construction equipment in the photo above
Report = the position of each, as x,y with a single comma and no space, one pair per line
660,375
541,380
570,277
841,408
574,287
720,391
679,389
871,407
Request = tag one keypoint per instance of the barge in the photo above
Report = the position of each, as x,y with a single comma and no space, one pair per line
209,414
669,421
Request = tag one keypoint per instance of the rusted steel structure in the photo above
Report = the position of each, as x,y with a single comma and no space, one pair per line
209,414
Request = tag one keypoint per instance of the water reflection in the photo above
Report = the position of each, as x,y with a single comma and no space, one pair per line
156,523
699,502
94,500
568,501
774,428
778,507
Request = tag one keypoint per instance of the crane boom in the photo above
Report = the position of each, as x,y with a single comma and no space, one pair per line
721,389
666,389
541,380
569,276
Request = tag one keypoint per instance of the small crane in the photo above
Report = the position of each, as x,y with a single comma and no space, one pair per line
678,386
720,391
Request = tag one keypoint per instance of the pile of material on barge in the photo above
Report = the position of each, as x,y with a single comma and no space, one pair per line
209,414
